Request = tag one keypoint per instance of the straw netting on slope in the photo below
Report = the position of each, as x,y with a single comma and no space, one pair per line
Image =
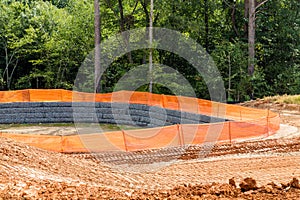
179,116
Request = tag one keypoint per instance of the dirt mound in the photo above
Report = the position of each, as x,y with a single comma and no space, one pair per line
27,172
248,190
31,173
289,113
267,104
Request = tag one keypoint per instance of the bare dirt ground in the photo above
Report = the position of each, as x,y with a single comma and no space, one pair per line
257,169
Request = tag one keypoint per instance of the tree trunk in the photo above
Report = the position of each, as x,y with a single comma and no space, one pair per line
233,19
150,42
97,86
147,15
206,25
251,37
123,30
246,16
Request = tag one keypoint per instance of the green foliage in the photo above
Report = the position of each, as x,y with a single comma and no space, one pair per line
43,43
231,60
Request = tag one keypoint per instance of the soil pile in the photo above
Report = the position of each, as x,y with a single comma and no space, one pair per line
248,190
31,173
28,172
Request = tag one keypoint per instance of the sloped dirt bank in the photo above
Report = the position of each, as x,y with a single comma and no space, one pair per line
271,166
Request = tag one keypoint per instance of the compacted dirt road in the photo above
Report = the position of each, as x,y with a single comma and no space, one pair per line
257,169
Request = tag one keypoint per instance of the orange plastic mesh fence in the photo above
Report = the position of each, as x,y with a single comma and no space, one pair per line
152,138
247,122
14,96
48,142
193,133
110,141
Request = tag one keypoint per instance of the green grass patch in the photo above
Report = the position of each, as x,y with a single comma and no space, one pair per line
6,126
105,127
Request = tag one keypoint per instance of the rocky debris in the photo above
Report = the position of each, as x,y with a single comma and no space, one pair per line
221,191
270,188
294,183
232,182
248,184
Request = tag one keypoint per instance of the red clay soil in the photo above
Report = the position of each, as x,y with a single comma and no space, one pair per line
266,169
31,173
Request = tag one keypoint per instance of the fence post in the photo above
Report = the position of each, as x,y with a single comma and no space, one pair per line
268,122
241,116
124,139
61,144
29,95
182,134
163,101
179,130
229,131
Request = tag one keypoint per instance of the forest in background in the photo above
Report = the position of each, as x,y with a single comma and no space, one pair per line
43,43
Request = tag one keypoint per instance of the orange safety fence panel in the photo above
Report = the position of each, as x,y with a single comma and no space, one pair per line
202,133
205,107
193,133
83,97
46,142
218,110
188,104
245,130
121,96
114,141
146,98
72,144
66,96
136,98
273,124
110,141
139,98
42,95
170,102
14,96
153,138
156,100
241,113
103,97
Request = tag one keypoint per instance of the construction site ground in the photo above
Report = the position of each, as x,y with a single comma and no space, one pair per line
261,168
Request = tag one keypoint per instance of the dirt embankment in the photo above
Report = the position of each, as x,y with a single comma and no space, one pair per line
272,168
30,173
289,113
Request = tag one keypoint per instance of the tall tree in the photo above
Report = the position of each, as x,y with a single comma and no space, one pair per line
123,28
126,21
253,7
97,45
206,45
251,37
151,50
246,15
